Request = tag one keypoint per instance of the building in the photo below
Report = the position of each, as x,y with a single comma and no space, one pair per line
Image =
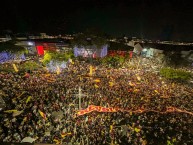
119,49
43,45
4,38
153,49
29,45
137,48
39,46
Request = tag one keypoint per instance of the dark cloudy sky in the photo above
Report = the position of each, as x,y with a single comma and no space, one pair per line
151,19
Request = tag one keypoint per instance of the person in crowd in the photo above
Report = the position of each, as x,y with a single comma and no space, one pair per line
49,103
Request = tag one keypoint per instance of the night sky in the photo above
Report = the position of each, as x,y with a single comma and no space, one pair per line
150,19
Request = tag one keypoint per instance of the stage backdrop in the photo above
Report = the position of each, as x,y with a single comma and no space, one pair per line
91,51
6,56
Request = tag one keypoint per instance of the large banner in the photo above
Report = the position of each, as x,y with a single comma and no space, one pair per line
110,109
15,68
91,51
96,108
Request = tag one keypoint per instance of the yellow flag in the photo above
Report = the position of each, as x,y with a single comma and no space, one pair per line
42,114
47,75
24,119
169,143
97,80
131,84
96,86
28,99
10,111
111,128
56,141
71,104
58,70
174,140
156,91
90,71
138,78
70,60
15,68
50,81
136,90
65,134
137,130
111,84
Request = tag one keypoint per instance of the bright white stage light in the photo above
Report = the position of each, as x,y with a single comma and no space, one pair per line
30,43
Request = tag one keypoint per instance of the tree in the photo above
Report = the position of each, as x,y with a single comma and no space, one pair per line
174,58
10,46
91,37
47,58
113,60
175,74
79,40
119,46
57,56
30,65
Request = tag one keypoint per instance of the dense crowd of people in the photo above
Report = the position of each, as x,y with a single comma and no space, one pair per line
47,105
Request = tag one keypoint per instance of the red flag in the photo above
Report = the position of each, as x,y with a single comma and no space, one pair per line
130,54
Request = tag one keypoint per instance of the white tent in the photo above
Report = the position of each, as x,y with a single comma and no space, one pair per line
28,140
131,43
137,48
153,52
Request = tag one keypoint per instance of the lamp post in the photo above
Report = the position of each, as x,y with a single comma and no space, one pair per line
79,97
138,63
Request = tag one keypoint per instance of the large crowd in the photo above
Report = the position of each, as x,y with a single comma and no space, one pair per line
56,96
